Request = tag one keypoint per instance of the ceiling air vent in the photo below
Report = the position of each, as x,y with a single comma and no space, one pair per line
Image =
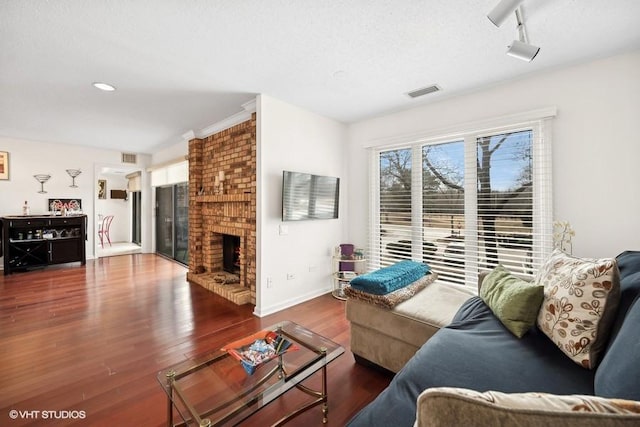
129,158
424,91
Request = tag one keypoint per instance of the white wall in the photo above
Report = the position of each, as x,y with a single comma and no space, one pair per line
595,146
27,158
120,230
291,138
170,153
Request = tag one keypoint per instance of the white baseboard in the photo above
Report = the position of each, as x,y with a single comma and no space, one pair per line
265,311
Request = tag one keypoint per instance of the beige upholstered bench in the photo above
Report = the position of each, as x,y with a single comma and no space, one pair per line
389,337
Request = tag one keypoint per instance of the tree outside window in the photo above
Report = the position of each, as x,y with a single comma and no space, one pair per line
503,203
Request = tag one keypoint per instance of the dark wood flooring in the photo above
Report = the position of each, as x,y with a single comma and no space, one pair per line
92,338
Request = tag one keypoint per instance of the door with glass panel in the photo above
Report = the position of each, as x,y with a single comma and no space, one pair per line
136,217
181,223
172,221
164,221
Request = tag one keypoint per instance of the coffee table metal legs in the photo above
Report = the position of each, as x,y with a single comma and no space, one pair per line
169,390
321,398
245,402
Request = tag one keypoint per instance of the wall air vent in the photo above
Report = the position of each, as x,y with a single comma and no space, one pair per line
130,158
424,91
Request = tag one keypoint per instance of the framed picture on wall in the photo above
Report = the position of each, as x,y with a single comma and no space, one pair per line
102,189
4,165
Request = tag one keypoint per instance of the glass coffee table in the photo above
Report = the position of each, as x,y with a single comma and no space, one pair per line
214,388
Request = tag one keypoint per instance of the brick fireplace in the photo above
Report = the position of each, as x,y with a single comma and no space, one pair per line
214,213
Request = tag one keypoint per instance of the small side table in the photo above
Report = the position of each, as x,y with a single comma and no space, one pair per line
342,278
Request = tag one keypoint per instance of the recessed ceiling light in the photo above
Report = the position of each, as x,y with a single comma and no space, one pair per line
340,74
104,86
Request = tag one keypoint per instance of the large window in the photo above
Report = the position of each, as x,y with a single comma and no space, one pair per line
464,204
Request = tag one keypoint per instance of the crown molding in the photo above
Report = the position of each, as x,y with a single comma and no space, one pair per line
248,108
188,136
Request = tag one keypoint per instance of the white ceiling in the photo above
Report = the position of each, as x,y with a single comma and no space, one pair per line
184,65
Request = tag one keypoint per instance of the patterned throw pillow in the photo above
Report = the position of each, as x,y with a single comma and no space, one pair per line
580,301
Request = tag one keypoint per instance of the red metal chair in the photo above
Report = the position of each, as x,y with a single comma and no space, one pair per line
103,230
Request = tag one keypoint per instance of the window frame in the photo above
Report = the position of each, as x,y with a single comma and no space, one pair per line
538,122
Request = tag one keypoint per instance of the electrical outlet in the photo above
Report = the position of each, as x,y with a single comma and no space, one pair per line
291,276
269,282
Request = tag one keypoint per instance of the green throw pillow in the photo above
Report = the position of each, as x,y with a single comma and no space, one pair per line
514,301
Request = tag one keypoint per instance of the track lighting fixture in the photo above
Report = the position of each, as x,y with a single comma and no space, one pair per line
523,51
521,48
501,12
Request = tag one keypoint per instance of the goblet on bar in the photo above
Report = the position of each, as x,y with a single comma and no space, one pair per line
73,173
42,178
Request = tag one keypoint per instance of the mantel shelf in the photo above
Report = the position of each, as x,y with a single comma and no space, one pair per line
223,198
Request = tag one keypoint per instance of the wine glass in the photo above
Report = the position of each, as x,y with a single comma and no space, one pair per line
42,178
73,173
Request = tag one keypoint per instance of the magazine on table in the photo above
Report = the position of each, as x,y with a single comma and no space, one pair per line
259,348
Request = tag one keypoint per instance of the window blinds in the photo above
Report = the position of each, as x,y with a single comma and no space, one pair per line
170,174
464,204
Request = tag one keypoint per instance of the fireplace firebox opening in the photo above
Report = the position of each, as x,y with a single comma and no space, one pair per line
231,254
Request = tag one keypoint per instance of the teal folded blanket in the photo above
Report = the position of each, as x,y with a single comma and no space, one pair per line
389,279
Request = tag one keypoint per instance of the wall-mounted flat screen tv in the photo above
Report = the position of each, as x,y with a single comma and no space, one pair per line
306,196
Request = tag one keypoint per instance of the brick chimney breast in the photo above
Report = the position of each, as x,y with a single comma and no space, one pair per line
227,209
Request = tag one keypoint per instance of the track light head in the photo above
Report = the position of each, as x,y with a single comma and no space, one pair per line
522,50
502,11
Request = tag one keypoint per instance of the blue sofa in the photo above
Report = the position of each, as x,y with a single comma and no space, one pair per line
476,352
